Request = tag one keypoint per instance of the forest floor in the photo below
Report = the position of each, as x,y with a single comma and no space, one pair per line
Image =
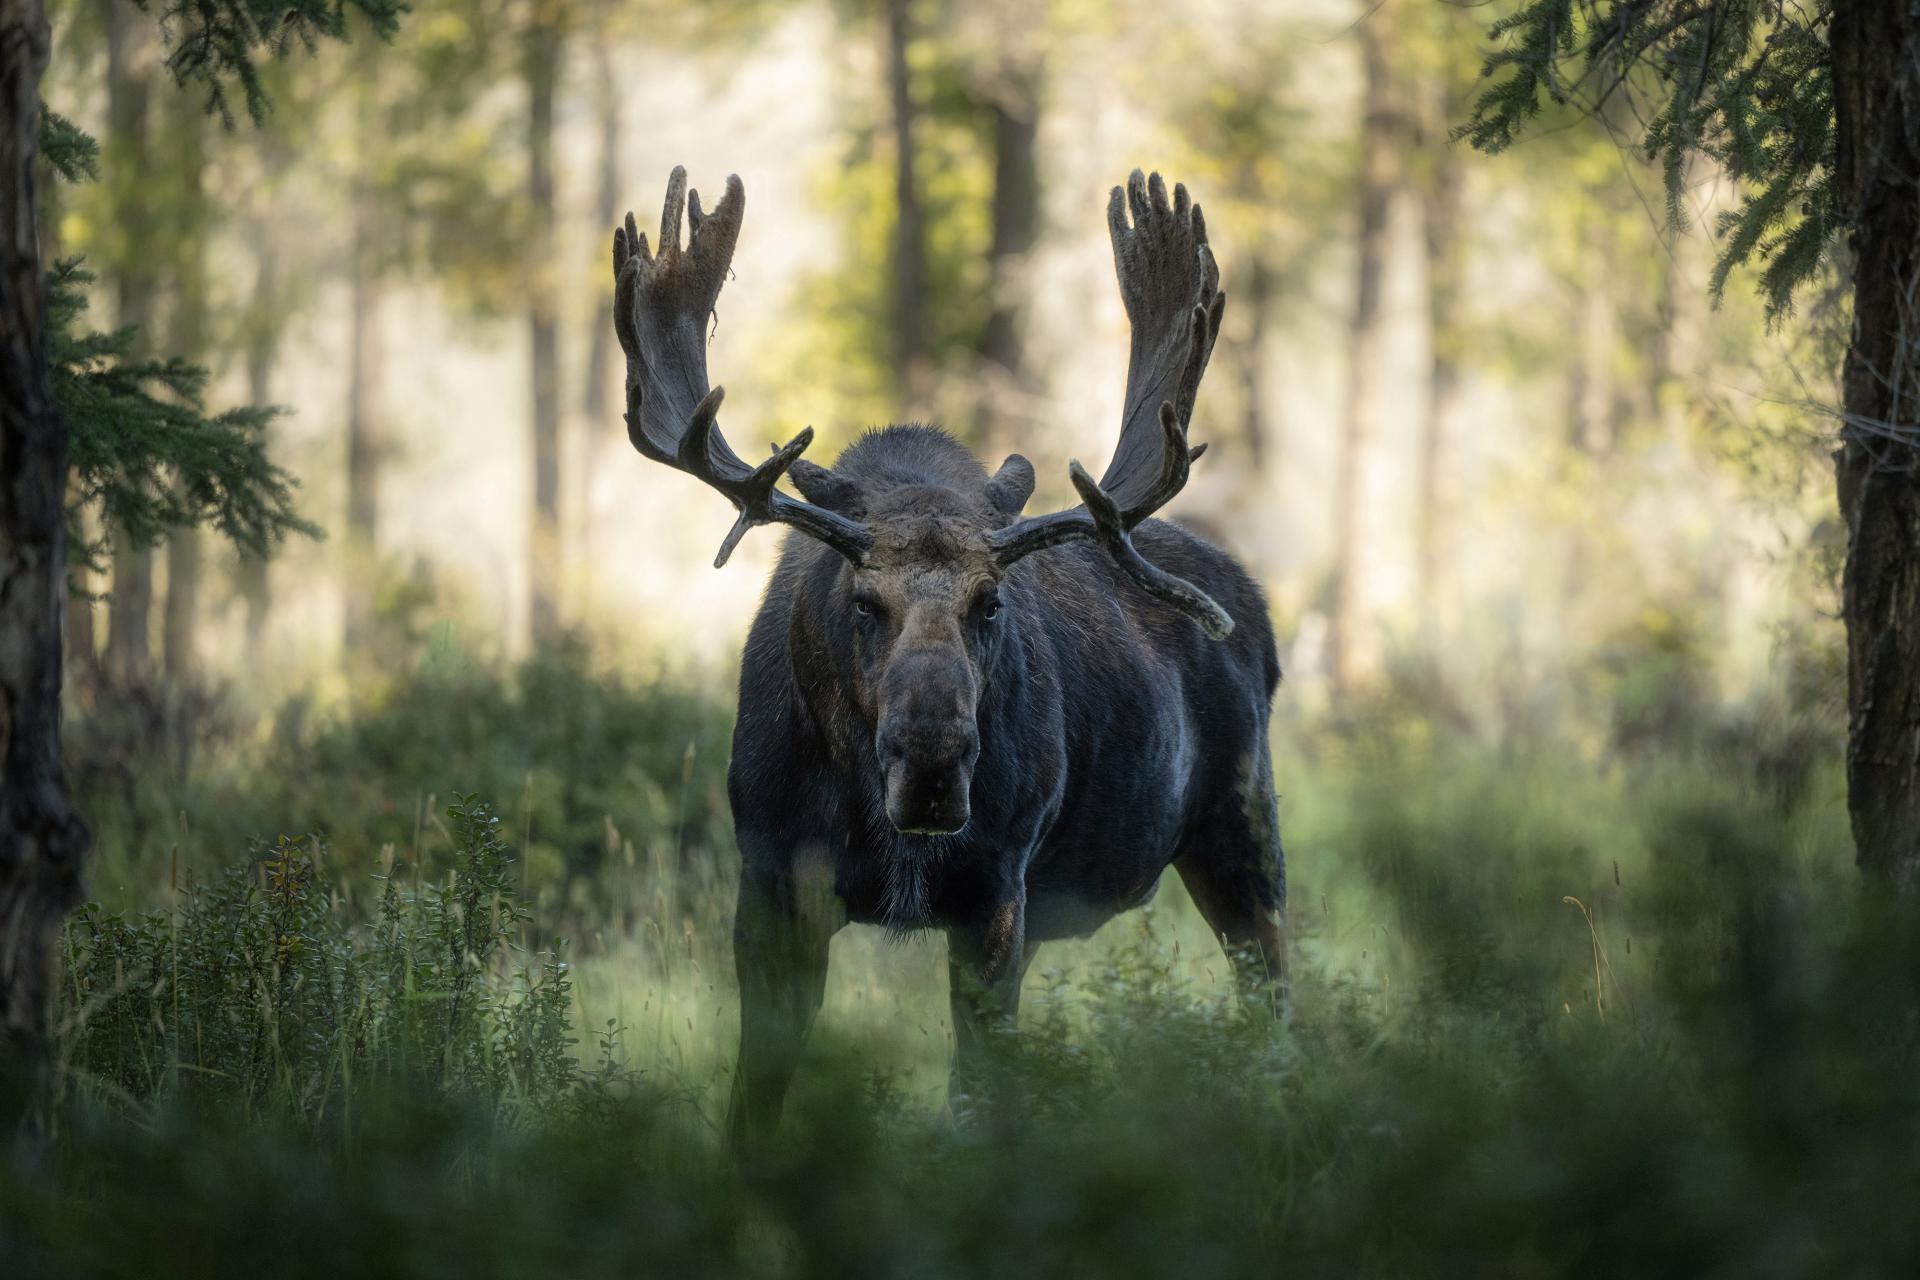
1564,1004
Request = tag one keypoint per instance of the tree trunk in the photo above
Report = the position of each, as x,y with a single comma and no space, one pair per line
187,339
365,443
82,639
1590,400
263,343
1380,179
541,68
82,633
910,351
1676,352
1876,80
1016,220
597,413
1440,222
131,54
606,210
42,840
1255,296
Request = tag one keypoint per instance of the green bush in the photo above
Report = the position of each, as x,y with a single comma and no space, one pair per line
582,762
260,996
1551,1020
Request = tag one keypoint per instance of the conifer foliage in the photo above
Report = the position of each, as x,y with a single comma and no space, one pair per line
1745,83
1813,108
133,421
143,448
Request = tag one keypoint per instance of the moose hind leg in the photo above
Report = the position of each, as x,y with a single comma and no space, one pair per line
1235,872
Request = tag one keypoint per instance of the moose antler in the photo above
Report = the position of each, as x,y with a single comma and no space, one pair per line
1170,285
661,303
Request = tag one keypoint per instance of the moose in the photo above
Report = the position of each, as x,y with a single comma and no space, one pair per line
956,716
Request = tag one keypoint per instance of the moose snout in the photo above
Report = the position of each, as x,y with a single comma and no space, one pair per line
929,775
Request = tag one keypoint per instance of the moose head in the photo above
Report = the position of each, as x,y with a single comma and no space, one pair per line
925,562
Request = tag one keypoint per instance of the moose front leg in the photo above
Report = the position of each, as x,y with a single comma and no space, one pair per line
781,932
985,962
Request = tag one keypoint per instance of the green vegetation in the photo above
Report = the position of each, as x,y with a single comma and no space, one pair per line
585,764
403,959
1617,1009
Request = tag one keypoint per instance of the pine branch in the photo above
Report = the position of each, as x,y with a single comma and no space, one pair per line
71,150
217,44
1743,82
144,452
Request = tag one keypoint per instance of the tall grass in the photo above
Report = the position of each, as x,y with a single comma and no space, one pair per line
1558,1012
261,998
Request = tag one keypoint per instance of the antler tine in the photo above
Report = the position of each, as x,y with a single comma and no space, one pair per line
1103,520
661,305
1169,283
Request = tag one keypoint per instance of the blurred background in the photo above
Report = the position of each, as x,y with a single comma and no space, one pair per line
414,875
1520,491
1473,416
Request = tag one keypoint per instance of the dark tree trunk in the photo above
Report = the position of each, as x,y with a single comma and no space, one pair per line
366,442
910,351
1380,179
42,840
541,68
82,633
364,445
1440,222
1016,220
1876,79
187,339
131,52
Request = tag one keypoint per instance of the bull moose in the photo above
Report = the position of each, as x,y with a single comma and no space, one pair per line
956,716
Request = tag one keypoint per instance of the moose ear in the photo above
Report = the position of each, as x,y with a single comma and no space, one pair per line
1011,485
824,489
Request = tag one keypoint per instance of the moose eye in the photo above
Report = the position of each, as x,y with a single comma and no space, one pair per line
991,609
865,606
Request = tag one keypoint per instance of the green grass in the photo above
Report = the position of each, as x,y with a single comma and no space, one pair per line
1559,1011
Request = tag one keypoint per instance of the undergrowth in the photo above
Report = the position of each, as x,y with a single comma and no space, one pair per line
1555,1014
259,996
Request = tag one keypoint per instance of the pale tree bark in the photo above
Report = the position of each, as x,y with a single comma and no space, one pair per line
132,54
540,68
1876,80
598,416
606,211
1255,297
911,371
1440,209
1591,388
262,351
82,636
42,840
1676,352
1014,99
1380,180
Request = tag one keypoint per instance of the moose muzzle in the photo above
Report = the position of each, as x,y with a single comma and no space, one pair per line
928,743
